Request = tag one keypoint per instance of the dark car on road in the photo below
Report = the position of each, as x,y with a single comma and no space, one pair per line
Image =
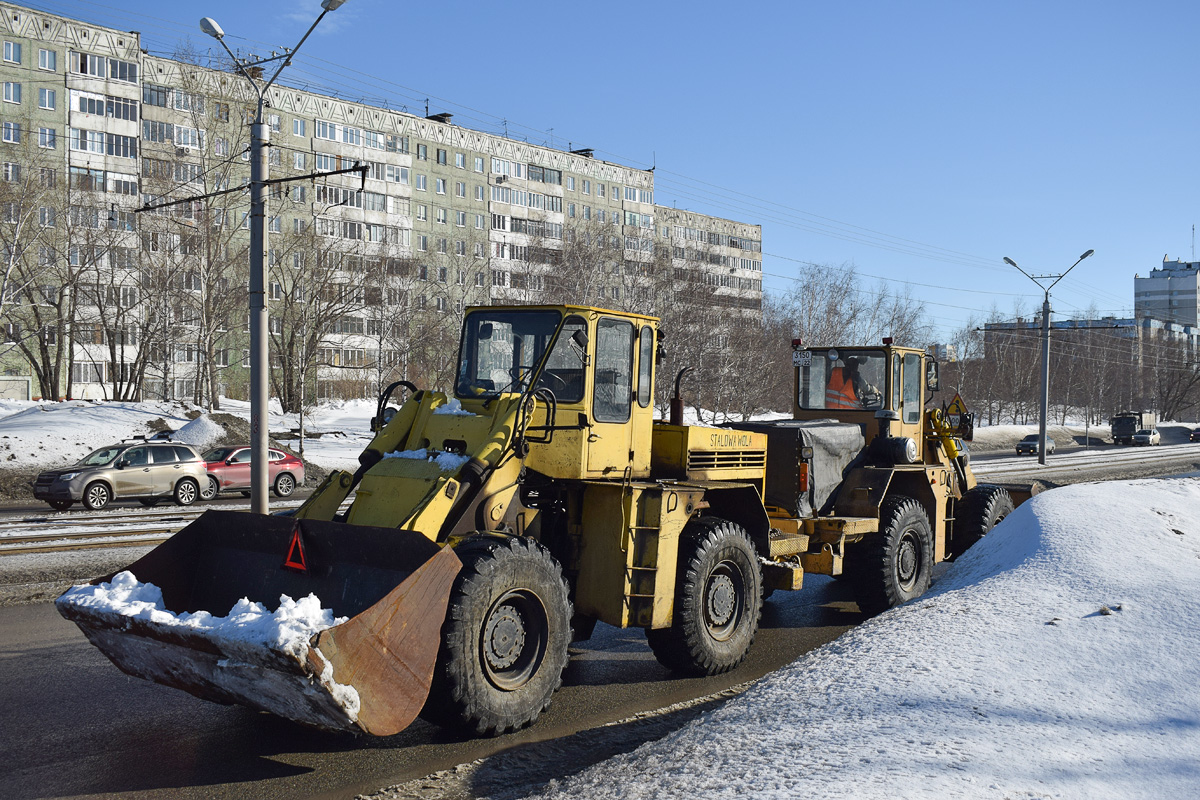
1194,436
147,471
228,470
1030,445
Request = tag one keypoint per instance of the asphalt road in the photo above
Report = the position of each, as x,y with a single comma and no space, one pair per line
75,725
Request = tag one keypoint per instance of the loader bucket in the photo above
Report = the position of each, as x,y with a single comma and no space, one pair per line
371,673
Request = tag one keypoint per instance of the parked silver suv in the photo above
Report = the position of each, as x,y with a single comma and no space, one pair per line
148,471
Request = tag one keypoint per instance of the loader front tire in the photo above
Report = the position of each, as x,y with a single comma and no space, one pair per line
896,564
980,510
718,601
505,638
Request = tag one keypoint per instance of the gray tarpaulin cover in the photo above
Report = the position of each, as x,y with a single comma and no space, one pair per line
835,445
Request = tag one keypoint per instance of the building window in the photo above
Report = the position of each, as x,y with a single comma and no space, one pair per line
460,189
153,95
396,174
460,160
479,222
422,153
440,185
274,122
12,52
299,127
479,163
12,92
422,184
460,219
570,183
11,132
479,193
48,60
441,156
47,137
46,99
298,160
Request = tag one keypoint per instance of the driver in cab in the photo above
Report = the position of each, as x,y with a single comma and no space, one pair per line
848,389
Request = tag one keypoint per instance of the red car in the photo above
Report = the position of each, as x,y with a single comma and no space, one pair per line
229,471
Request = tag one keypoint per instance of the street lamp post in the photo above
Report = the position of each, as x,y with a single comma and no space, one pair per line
1045,343
260,134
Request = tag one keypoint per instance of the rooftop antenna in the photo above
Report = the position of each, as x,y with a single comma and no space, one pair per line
427,106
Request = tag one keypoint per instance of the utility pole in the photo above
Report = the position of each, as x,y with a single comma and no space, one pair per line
1045,343
260,135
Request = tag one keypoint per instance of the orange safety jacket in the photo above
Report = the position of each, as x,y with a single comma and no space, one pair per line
839,393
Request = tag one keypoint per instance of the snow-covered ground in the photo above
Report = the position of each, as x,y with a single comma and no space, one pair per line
38,435
1059,658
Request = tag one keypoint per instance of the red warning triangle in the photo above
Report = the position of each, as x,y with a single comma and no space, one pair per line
295,556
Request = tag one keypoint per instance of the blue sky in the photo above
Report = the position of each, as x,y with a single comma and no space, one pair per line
921,142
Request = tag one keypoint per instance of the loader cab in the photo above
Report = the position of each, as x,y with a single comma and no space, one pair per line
854,384
597,364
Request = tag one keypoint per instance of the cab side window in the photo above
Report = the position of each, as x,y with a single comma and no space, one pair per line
613,376
645,366
136,457
912,389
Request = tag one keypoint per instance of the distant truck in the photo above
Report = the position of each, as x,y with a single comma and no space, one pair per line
1127,423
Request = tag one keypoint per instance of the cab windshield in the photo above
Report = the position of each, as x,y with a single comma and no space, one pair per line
501,350
841,379
99,458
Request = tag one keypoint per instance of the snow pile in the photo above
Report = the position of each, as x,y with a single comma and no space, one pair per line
447,462
454,407
201,432
287,630
1060,657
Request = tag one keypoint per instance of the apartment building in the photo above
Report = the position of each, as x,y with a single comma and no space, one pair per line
368,273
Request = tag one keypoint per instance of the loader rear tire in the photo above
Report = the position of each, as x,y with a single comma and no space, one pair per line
505,638
718,601
895,565
980,510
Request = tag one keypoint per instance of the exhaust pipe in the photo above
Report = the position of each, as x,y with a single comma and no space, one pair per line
677,400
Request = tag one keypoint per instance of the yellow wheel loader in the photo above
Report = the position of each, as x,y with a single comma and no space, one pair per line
491,525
